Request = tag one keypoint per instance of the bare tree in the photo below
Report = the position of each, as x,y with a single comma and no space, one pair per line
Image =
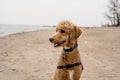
113,14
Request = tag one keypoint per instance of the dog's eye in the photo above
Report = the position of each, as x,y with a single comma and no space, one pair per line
62,31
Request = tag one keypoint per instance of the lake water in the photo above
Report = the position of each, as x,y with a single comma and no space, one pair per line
11,29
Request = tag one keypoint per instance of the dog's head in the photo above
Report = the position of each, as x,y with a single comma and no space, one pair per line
66,34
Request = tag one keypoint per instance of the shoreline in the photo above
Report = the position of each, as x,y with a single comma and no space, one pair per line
2,34
12,29
21,32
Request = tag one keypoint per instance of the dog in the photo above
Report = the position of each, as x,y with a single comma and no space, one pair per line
69,66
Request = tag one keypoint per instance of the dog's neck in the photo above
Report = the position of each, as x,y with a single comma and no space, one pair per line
69,49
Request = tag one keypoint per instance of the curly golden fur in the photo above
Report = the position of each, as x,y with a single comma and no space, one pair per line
66,36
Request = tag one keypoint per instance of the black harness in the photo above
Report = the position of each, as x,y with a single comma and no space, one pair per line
69,65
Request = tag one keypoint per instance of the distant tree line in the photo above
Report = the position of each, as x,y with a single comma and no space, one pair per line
113,14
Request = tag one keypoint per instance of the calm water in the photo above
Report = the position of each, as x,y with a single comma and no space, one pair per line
10,29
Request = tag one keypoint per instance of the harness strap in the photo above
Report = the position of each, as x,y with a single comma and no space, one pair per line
70,66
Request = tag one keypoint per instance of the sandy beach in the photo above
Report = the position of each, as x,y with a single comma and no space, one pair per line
30,55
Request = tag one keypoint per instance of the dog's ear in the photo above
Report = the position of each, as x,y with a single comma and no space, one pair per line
77,32
74,34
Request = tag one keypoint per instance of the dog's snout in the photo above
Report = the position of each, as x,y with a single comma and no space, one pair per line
51,39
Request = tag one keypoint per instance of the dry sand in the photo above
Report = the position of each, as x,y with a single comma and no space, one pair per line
30,55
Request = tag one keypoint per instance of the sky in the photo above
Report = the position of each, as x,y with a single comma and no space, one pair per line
51,12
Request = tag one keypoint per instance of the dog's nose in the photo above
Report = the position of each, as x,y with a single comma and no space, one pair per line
51,39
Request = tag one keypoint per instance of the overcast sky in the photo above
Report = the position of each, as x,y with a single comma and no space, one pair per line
50,12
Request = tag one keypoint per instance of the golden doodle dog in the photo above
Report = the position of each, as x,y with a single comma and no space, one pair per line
69,66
